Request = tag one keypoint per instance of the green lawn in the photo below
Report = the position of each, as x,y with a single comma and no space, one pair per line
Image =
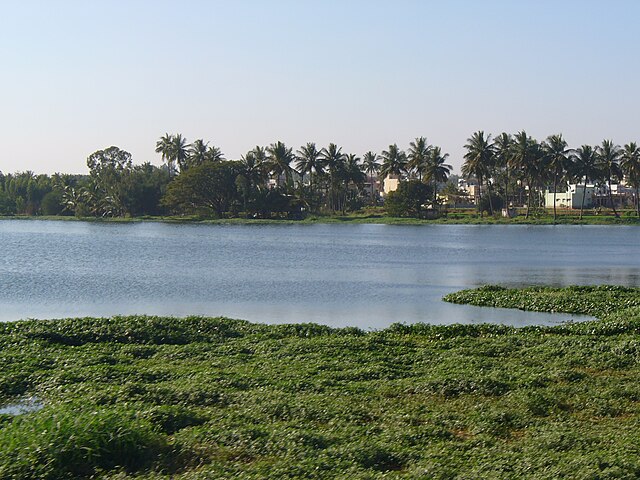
149,397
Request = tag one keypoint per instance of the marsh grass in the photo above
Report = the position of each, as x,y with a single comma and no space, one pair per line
150,397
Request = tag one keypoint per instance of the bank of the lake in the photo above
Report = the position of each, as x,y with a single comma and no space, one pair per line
466,218
159,398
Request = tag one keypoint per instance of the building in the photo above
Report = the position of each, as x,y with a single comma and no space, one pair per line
390,183
572,198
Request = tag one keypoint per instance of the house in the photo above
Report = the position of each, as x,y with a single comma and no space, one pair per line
572,198
390,183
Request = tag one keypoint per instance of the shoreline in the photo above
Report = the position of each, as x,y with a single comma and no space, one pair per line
348,219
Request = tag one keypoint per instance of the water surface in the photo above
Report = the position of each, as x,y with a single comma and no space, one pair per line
363,275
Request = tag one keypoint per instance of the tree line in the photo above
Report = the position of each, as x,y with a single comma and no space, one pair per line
196,178
276,181
509,165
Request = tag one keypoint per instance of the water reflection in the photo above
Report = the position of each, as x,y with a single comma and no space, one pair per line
25,405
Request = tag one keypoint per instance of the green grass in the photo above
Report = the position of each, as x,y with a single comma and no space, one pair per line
372,216
164,398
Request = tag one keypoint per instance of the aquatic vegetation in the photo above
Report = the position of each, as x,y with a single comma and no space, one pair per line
152,397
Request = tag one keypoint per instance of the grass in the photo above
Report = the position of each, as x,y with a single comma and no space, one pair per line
377,215
163,398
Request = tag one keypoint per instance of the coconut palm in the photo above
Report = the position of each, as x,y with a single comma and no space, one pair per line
418,155
479,161
630,164
371,166
164,146
180,151
528,160
585,166
352,175
394,161
557,158
436,170
198,153
609,158
279,159
309,161
503,150
333,159
215,154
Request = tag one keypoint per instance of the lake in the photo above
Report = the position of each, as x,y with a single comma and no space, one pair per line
358,275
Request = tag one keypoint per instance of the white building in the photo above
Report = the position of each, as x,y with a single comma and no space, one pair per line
572,198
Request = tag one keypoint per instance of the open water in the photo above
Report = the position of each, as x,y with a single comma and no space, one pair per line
359,275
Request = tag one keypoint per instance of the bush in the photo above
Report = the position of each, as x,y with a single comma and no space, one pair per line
409,200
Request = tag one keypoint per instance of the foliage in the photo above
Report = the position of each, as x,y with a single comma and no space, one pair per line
210,186
160,398
409,200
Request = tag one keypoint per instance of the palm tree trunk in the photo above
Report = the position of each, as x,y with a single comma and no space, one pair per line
480,195
555,185
637,202
490,201
506,193
615,212
584,193
528,200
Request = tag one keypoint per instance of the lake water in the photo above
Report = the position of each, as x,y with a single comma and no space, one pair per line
363,275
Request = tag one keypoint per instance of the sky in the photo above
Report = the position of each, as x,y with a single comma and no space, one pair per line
79,76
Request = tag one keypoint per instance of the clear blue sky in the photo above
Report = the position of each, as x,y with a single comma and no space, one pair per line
78,76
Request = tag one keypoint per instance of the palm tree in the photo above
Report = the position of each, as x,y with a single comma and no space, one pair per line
164,146
352,174
198,153
609,157
503,149
418,155
180,151
215,154
371,166
394,161
528,160
557,156
436,170
333,158
280,158
309,160
479,161
630,165
253,169
585,165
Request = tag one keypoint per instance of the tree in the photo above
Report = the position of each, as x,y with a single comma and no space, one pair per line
609,158
333,159
630,164
557,156
503,159
210,186
352,175
279,159
585,166
164,146
408,200
180,151
418,155
110,171
309,161
371,166
527,159
394,161
479,160
436,170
